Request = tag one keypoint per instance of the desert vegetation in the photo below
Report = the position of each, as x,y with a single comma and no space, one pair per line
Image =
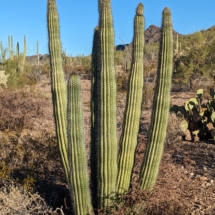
42,173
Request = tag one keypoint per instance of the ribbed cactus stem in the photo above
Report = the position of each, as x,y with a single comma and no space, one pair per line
17,50
24,56
38,55
9,47
58,82
77,155
94,112
160,112
107,138
128,140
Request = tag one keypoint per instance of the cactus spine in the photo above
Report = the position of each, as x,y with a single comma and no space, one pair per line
128,141
160,114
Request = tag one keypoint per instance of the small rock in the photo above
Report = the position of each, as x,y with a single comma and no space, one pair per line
191,174
203,178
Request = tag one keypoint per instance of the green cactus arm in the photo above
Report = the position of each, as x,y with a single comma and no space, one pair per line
24,56
11,50
9,47
17,50
58,83
77,156
107,138
160,114
94,112
38,55
128,140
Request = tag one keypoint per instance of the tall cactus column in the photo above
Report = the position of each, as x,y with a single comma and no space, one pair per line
94,112
68,121
78,172
107,138
58,82
128,141
160,114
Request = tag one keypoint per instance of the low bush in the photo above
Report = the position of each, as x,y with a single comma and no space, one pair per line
18,108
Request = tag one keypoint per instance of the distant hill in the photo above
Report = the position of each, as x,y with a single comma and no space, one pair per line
152,34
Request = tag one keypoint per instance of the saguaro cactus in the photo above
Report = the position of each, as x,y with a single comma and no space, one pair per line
128,141
161,106
38,54
24,56
17,50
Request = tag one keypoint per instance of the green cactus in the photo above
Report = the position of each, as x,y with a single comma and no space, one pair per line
106,131
68,112
68,120
38,55
23,57
11,48
161,106
3,53
77,157
58,82
128,141
94,112
17,50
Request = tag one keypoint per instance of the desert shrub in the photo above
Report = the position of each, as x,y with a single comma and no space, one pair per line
16,200
148,94
17,79
122,79
174,132
5,171
18,109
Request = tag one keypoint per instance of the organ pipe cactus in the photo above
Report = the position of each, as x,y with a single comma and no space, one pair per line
68,121
161,106
128,141
77,156
108,176
106,142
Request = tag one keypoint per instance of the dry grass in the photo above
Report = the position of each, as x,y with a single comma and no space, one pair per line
185,183
14,200
18,109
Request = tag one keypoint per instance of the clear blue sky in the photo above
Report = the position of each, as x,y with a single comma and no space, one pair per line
79,17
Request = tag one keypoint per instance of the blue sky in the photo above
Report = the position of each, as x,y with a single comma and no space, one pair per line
79,17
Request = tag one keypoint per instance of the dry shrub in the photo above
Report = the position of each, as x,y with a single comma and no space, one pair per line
131,202
16,200
18,109
174,133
